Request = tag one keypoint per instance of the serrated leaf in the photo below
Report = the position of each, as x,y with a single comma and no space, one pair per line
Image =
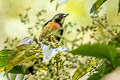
96,5
96,50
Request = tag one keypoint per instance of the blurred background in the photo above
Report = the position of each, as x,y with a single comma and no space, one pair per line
10,25
79,10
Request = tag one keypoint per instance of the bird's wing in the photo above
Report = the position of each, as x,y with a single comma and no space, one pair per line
47,23
45,29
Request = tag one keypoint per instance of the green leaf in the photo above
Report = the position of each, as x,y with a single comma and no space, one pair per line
116,61
4,54
80,72
96,50
51,1
19,69
20,57
96,5
119,7
101,72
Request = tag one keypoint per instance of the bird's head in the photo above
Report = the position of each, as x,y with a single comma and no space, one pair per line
59,18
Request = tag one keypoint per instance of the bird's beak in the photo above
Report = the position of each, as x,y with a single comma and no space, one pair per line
65,15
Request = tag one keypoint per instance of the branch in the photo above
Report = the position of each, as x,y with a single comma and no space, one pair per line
109,31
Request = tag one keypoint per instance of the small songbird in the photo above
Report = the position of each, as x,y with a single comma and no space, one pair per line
54,25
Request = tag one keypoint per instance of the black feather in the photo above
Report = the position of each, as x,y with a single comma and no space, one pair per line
61,33
47,23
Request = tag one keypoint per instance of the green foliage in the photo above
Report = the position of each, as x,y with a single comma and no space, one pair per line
19,69
107,52
58,68
22,56
115,43
4,54
80,72
105,69
96,50
96,5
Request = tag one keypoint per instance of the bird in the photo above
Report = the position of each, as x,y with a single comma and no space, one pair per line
54,25
50,26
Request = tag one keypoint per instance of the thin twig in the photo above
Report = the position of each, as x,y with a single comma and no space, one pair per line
109,31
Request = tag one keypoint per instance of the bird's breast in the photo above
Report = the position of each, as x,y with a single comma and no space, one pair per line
53,25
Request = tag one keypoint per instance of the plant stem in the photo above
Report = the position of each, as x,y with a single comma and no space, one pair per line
109,31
